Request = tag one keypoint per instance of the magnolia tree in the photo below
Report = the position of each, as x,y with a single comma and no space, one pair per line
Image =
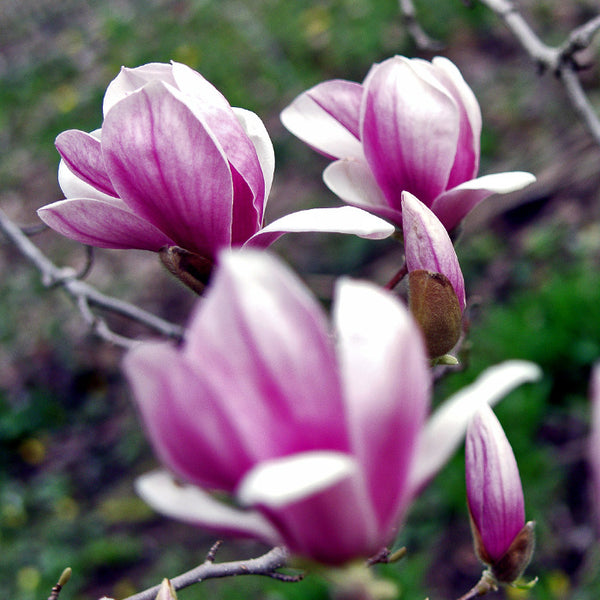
308,429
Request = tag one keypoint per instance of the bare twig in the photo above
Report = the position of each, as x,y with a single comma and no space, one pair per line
84,294
266,565
421,39
560,60
485,585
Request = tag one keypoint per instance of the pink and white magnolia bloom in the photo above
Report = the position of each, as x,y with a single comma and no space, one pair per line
412,125
428,246
312,430
494,491
175,165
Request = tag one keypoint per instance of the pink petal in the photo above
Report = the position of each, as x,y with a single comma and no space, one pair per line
446,428
494,491
129,80
255,129
345,219
212,107
278,371
168,168
193,505
186,417
318,502
427,245
466,163
104,224
74,187
452,206
410,130
326,118
82,152
387,389
354,183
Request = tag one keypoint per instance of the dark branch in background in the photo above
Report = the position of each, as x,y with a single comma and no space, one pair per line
560,60
266,565
86,296
422,40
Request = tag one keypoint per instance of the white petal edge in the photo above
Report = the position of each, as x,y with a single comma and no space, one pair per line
73,187
309,122
353,182
281,481
193,505
257,132
446,428
500,183
343,219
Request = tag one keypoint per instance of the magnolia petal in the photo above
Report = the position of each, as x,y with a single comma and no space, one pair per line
354,183
494,491
446,428
168,168
74,187
281,481
104,224
83,154
326,118
409,129
278,371
257,132
452,206
193,505
383,404
214,109
466,163
344,219
427,245
318,501
186,417
129,80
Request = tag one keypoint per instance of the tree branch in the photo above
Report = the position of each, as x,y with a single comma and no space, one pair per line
266,565
559,60
421,39
84,294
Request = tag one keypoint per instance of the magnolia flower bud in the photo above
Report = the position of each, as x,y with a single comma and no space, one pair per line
502,539
434,305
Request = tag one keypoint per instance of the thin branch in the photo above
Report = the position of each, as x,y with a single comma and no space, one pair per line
559,60
266,565
486,584
421,39
84,294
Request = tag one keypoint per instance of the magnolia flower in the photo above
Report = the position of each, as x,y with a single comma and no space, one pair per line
495,497
594,450
413,126
311,430
436,283
174,165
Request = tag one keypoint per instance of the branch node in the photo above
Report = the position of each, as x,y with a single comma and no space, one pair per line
212,553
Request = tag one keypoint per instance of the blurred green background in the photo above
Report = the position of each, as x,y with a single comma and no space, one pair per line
70,442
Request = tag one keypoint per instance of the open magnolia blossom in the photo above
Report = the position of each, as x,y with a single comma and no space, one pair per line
594,449
174,165
313,431
412,125
503,540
